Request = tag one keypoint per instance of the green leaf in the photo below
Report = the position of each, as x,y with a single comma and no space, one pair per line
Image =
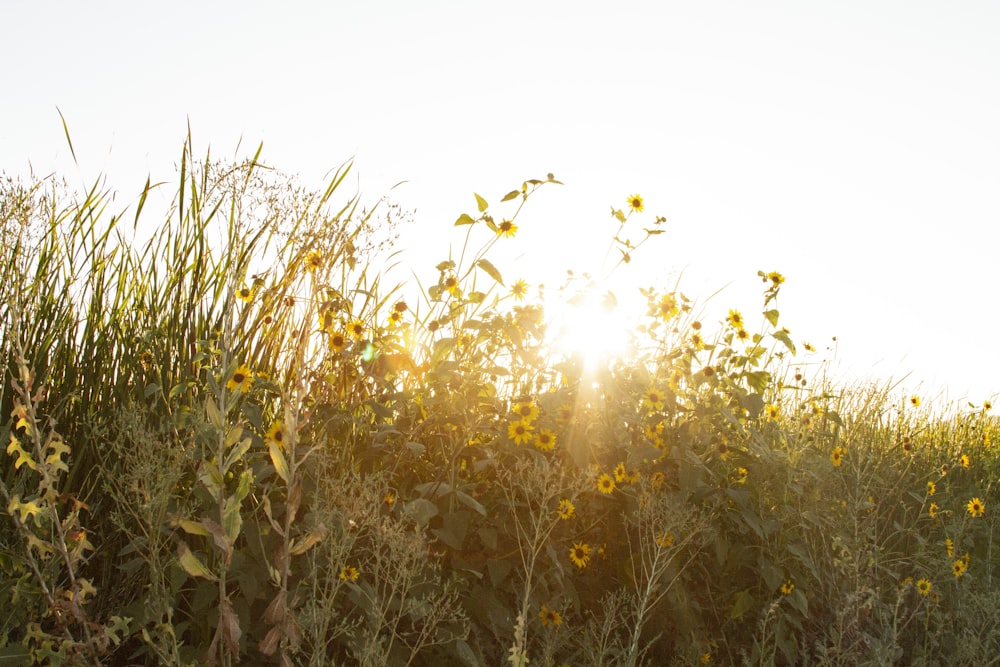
772,317
743,604
488,267
464,219
421,511
151,388
214,414
784,338
513,194
192,564
481,203
278,459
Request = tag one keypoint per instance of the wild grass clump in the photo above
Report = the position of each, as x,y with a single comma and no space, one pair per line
234,442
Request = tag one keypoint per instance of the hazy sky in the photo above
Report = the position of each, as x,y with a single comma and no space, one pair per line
853,146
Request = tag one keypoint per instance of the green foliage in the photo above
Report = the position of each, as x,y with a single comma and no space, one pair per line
266,455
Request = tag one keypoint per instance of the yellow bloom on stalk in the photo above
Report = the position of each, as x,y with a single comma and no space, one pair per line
580,554
545,440
963,460
451,284
349,573
507,228
735,319
706,658
976,507
276,434
959,567
932,511
620,474
658,479
526,410
653,399
775,278
742,334
520,432
949,547
356,329
665,539
519,290
837,456
787,587
915,401
772,411
931,488
740,475
314,261
605,484
244,294
566,509
549,616
241,379
635,203
338,342
667,307
923,587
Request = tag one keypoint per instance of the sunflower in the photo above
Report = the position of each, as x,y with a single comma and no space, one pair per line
976,507
915,401
963,460
657,479
932,511
241,379
605,484
580,554
635,203
665,539
314,261
837,456
244,294
653,399
959,567
451,284
520,432
349,573
620,474
507,228
924,587
545,440
787,587
519,290
666,308
566,509
775,278
549,616
356,329
526,410
735,319
772,411
949,547
931,488
276,434
338,342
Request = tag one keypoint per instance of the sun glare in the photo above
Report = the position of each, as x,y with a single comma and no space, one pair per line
590,325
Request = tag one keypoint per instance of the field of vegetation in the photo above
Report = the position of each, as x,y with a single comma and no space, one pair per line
236,443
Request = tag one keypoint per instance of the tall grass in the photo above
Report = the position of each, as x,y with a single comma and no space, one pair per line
234,443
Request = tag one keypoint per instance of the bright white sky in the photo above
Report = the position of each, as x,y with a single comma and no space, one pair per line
853,146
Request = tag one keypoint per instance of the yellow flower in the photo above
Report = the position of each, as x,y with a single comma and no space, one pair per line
620,474
739,475
349,573
519,290
356,329
931,488
244,293
451,284
566,509
635,203
338,342
837,456
735,319
605,484
580,554
389,498
520,432
666,308
775,278
527,411
241,379
314,261
924,587
657,479
915,401
549,616
506,228
706,658
545,440
976,507
653,399
742,334
959,567
787,587
276,434
949,547
665,539
964,460
987,406
772,411
932,511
